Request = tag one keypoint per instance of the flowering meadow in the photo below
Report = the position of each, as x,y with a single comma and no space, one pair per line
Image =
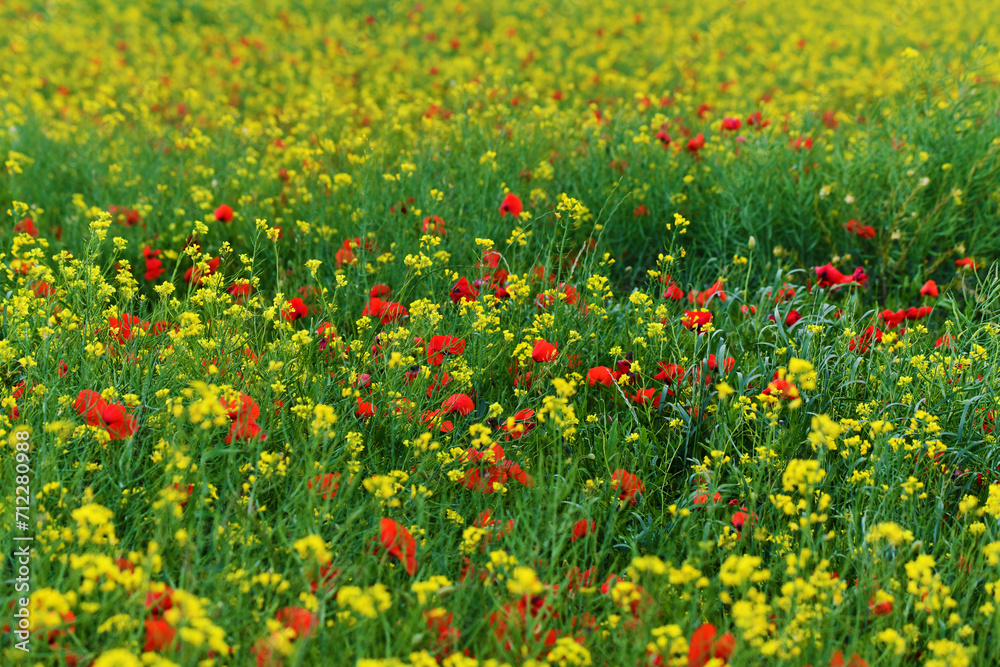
499,333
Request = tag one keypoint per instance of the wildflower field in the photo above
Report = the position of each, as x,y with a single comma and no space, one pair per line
482,333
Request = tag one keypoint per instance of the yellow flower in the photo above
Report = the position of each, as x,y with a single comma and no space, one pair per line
524,581
117,657
737,570
725,390
891,532
892,639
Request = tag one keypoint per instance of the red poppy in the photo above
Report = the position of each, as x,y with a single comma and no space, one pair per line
828,276
538,273
880,609
266,652
327,578
42,289
387,312
522,380
299,619
600,375
240,291
224,213
121,328
154,269
157,603
460,403
345,256
696,320
786,293
496,527
154,266
463,291
519,424
397,540
438,382
496,473
609,583
309,291
696,144
528,613
893,319
159,634
704,646
754,120
863,231
663,137
740,518
434,225
439,623
781,388
731,124
800,143
856,660
930,288
365,409
441,346
17,394
650,397
294,309
544,351
627,484
728,364
243,411
380,292
701,498
491,259
123,215
576,579
326,485
26,226
966,263
582,528
161,326
111,417
511,204
671,372
186,491
565,293
327,333
198,275
792,317
702,298
433,419
861,344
